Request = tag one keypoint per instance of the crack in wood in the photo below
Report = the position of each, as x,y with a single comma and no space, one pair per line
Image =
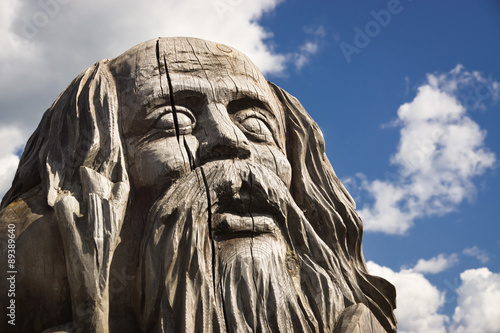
250,181
159,64
212,242
193,166
171,95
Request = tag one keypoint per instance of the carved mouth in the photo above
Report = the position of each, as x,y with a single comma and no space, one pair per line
229,225
241,216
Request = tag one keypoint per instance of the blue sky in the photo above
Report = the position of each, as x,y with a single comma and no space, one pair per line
405,92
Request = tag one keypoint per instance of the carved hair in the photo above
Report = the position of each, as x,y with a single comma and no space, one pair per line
330,209
84,120
75,157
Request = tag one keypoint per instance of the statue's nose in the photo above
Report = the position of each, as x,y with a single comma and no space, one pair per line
222,138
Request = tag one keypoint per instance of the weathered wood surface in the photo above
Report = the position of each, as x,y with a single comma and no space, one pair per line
173,189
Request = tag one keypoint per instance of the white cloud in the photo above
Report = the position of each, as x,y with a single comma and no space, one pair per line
318,31
418,301
306,50
436,264
95,29
476,88
12,140
474,251
478,307
441,150
44,44
310,46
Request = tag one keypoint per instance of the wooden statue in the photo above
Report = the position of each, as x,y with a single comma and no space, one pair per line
174,189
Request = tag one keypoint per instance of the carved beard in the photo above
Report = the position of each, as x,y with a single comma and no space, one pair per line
248,261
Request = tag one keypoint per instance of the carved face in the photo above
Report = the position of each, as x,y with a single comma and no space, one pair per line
205,140
213,105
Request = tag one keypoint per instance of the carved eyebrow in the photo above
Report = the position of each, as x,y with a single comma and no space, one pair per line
252,95
151,103
187,98
245,102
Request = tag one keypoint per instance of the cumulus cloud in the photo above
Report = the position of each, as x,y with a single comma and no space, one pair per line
12,140
475,88
436,264
478,296
476,252
441,150
98,29
44,44
418,301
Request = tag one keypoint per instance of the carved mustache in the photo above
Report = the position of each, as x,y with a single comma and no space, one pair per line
229,184
225,186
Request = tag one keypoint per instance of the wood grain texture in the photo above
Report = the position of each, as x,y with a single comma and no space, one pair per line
174,189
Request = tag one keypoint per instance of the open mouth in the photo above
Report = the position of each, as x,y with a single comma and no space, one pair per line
239,215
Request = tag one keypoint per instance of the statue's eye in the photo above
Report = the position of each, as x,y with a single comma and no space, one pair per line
255,126
166,122
254,118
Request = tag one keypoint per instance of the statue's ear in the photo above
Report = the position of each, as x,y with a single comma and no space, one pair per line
84,132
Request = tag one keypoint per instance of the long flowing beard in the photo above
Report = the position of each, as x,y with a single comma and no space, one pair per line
227,249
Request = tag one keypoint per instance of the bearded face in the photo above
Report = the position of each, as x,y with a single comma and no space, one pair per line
208,144
215,181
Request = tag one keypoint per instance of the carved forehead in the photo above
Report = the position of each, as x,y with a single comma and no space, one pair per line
187,59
